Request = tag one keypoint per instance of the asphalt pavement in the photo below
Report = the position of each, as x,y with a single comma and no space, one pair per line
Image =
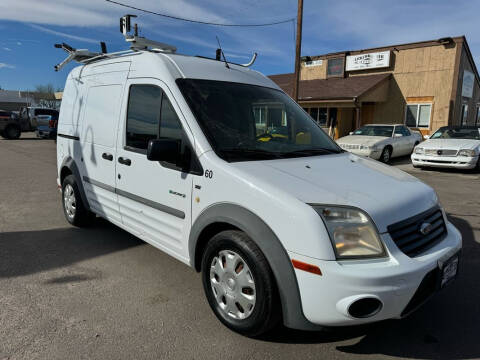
101,293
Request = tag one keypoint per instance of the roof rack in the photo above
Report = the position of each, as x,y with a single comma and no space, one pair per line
79,55
137,43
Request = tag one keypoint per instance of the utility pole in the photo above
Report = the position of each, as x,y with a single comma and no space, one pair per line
298,50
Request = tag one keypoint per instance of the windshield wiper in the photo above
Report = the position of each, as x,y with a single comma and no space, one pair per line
313,151
251,153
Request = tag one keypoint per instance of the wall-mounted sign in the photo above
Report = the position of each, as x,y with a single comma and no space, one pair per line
467,85
368,61
335,67
314,62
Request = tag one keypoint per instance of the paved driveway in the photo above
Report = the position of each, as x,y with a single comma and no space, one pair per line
100,293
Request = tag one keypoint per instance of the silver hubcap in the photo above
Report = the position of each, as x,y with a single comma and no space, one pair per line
232,284
69,201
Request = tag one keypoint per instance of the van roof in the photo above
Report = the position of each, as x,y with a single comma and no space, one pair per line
147,63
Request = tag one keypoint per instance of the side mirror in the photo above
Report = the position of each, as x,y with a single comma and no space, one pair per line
167,150
426,137
398,135
350,133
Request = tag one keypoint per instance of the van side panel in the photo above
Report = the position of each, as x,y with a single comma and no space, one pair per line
66,129
98,138
101,115
88,122
68,100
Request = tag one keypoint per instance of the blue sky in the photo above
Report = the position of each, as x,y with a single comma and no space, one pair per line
29,28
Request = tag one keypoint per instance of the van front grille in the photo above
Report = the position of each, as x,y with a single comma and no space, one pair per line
418,233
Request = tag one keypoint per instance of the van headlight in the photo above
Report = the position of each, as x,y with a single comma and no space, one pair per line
351,231
419,150
465,152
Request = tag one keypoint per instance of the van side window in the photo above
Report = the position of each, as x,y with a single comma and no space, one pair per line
143,115
170,126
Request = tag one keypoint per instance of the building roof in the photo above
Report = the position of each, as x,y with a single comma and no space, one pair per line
332,88
13,96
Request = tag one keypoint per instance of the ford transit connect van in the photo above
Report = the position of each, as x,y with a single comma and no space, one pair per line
219,168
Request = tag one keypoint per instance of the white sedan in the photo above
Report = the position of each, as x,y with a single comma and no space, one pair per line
381,142
452,147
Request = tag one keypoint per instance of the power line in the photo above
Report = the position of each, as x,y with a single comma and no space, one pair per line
198,21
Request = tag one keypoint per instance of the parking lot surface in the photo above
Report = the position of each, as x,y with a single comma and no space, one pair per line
101,293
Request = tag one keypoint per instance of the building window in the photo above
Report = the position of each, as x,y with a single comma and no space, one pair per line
335,67
477,121
418,115
318,114
260,114
464,114
313,63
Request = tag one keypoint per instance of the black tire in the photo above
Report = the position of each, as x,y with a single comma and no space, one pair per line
265,313
2,134
81,217
12,132
477,168
386,155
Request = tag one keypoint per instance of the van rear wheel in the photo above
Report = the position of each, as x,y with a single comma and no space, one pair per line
75,211
239,284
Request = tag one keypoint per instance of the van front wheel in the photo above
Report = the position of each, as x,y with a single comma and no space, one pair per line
239,284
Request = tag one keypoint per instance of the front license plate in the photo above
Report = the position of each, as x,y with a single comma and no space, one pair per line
449,270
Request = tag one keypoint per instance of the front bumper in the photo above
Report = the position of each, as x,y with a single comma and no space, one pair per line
457,162
45,132
394,281
373,154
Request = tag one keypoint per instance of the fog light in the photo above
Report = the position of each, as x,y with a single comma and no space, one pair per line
365,308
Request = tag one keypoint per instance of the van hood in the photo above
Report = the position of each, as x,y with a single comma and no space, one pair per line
454,144
387,194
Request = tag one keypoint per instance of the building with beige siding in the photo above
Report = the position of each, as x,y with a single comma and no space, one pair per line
424,85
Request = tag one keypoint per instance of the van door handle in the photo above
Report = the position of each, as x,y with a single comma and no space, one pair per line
107,156
124,161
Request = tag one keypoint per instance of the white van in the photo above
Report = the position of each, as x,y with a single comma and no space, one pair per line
219,168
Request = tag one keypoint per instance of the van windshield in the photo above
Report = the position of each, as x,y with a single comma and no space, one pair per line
248,122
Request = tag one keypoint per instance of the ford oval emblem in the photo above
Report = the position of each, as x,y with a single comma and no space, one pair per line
425,228
439,152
